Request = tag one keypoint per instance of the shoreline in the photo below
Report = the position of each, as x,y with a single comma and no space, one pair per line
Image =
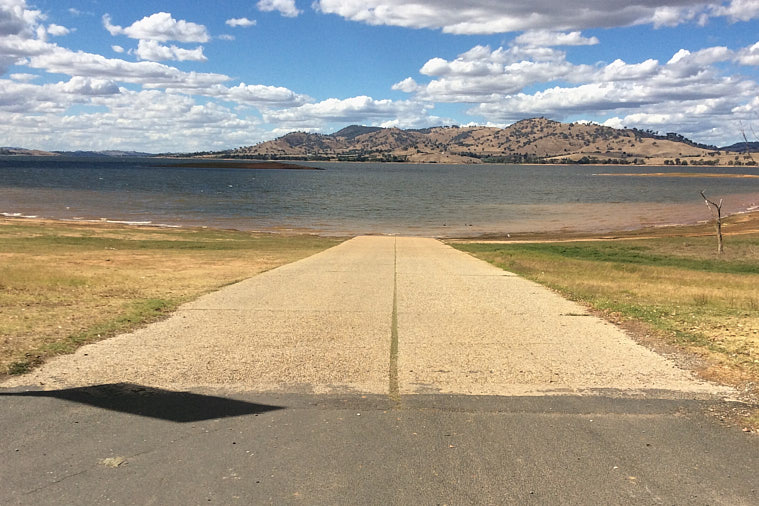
680,174
739,223
202,163
106,224
740,166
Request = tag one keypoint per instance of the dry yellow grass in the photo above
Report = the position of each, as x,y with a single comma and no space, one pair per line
62,285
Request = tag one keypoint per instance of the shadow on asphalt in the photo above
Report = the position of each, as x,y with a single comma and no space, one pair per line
181,407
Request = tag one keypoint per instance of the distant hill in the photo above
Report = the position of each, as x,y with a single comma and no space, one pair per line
353,131
740,147
111,153
37,152
536,140
11,151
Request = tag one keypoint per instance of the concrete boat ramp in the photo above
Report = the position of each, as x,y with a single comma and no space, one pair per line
378,315
382,371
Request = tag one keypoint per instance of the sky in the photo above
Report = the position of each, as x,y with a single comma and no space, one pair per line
198,75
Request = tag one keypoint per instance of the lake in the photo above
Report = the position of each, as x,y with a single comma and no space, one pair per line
366,198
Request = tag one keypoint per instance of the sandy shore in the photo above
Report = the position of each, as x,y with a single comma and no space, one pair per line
739,223
736,224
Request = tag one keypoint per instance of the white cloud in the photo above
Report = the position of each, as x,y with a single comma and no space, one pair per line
226,36
150,74
408,85
78,85
57,30
688,94
738,10
719,128
749,55
17,41
23,77
461,67
101,73
618,70
279,132
547,38
147,120
166,114
14,49
25,98
692,89
671,16
21,32
485,75
258,95
285,7
53,97
361,109
160,26
750,107
685,63
700,58
499,16
243,22
153,50
16,19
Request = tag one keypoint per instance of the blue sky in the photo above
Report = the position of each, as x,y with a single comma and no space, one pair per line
189,75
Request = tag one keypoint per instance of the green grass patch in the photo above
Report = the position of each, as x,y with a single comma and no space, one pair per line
137,312
628,254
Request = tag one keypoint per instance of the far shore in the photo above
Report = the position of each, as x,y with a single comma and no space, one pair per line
236,164
680,174
652,164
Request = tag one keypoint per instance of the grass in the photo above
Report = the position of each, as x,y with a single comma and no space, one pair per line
671,290
63,285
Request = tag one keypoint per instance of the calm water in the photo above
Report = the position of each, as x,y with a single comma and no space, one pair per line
437,200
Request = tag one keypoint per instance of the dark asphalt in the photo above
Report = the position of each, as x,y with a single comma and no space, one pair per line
181,448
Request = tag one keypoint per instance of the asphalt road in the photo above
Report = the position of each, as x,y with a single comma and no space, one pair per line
383,371
289,448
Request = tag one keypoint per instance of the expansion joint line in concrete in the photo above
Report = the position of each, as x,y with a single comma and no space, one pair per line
394,389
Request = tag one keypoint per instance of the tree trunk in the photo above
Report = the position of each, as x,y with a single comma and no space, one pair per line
718,226
718,222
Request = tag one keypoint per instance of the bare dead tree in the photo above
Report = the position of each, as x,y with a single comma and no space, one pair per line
718,215
745,139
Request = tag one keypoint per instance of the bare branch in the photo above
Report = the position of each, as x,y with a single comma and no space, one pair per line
745,139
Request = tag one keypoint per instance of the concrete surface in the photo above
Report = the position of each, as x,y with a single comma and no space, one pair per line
349,318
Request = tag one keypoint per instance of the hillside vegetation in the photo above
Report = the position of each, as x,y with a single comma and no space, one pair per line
536,140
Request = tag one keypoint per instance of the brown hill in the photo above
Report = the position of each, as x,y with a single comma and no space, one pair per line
531,140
